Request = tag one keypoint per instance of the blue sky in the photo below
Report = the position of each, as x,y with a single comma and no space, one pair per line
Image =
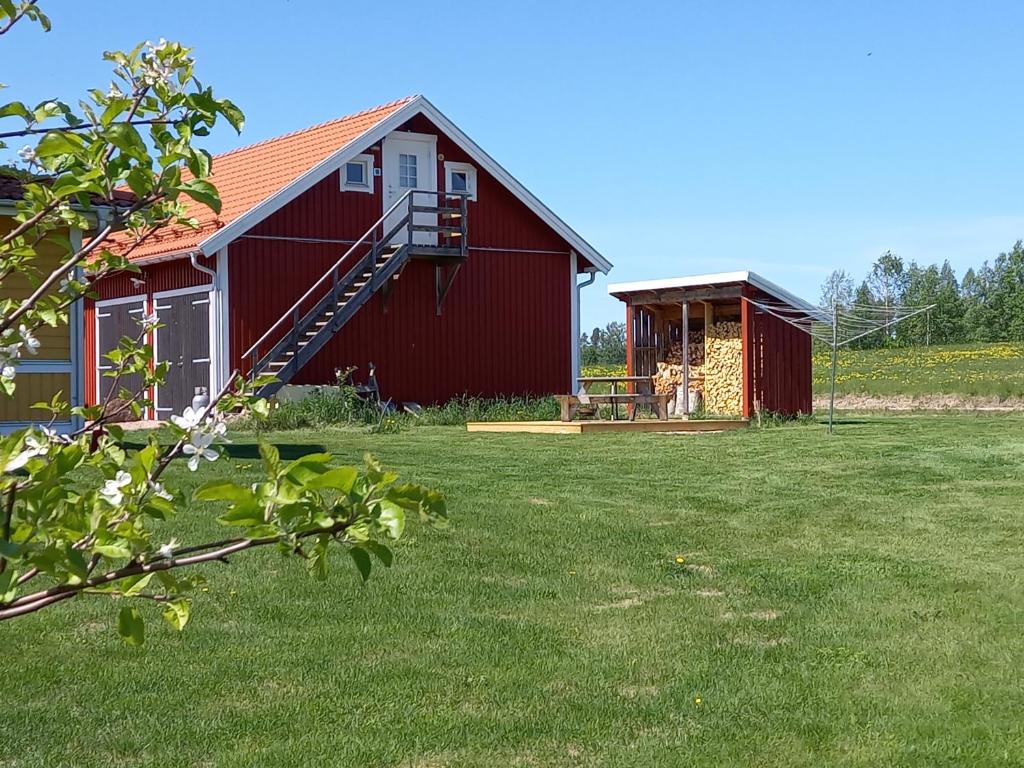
677,138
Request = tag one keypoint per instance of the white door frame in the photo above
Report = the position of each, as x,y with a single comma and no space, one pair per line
427,181
211,332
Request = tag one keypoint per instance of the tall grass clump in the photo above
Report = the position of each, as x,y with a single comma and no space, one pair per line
460,410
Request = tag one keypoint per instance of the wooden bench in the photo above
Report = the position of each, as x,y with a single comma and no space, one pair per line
570,404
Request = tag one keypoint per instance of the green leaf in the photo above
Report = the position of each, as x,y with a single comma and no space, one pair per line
56,143
112,551
271,457
223,490
177,612
15,109
383,553
392,518
131,626
202,192
340,478
362,561
138,584
249,513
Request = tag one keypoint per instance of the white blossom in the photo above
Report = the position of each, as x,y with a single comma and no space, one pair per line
198,448
7,357
150,321
27,153
115,91
33,446
112,490
189,418
31,342
158,490
166,550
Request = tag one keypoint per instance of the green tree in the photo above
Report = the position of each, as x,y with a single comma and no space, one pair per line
604,346
63,534
944,323
837,290
1006,296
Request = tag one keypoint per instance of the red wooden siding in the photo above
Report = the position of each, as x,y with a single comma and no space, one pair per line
166,276
505,324
780,357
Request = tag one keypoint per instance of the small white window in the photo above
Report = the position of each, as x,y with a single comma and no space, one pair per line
460,177
357,174
407,171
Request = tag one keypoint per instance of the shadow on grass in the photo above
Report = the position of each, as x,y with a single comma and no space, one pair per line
288,451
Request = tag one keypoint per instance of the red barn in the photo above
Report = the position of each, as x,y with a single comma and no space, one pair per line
729,336
386,237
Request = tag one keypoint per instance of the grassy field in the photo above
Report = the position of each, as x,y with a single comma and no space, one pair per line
971,370
846,601
986,370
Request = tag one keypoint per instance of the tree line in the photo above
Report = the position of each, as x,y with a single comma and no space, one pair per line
604,346
986,305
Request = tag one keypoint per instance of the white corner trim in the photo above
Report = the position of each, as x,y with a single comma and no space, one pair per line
574,321
417,105
223,319
367,161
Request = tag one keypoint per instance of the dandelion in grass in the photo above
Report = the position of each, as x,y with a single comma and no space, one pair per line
680,560
698,701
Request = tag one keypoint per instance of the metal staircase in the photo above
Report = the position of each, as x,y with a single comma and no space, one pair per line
365,268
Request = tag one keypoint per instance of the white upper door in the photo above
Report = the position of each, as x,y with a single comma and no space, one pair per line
410,162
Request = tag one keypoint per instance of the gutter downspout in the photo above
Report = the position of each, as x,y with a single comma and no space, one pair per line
214,323
575,320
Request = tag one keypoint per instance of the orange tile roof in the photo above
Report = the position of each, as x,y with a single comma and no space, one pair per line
247,176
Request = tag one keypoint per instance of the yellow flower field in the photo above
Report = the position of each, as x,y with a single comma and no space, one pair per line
991,370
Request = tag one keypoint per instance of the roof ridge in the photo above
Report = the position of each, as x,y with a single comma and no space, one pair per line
315,126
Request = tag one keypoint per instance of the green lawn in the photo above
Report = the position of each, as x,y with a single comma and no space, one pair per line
986,370
851,601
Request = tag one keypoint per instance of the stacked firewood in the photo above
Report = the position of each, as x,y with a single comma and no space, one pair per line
670,371
723,390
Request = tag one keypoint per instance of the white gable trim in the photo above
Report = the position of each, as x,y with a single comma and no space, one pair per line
717,278
488,163
418,105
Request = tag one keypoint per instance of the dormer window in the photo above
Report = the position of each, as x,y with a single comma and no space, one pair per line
460,177
357,174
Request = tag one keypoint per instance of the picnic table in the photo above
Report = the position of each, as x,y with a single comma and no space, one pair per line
570,404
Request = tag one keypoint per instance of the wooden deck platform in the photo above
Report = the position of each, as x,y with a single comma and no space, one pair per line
580,427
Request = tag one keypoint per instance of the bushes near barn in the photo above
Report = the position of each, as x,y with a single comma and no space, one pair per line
341,406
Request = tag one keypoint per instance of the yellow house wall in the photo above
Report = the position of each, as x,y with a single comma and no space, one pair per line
55,345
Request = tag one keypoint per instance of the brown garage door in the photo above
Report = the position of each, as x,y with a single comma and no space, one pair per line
113,321
184,342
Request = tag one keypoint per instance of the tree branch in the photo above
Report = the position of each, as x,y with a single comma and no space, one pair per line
16,17
40,600
82,127
5,533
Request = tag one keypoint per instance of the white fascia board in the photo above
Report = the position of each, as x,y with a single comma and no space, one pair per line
717,278
317,173
418,105
581,246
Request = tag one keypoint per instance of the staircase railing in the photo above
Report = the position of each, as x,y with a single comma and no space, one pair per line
300,320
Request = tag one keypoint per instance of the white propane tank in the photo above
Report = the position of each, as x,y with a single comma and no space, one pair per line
201,399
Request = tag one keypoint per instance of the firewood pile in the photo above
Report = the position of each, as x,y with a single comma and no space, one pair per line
670,371
723,390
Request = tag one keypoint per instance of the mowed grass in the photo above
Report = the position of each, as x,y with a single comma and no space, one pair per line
844,601
978,370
